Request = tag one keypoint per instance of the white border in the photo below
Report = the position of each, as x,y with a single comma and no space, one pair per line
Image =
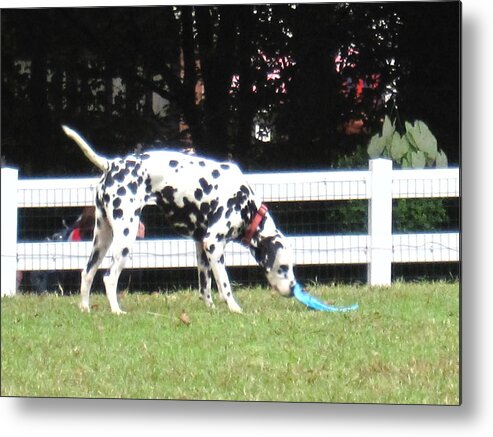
129,418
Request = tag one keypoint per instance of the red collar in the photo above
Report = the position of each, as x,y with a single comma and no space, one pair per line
254,224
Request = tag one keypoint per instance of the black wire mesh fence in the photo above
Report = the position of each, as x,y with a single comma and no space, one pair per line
332,218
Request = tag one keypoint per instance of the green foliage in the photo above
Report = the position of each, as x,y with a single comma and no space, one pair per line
416,148
418,215
358,159
401,346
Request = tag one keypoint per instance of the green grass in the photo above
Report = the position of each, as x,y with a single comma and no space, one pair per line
401,346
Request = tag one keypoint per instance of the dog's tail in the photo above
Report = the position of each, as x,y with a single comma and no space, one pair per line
99,161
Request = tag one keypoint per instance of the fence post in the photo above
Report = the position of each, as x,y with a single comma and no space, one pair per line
380,223
9,231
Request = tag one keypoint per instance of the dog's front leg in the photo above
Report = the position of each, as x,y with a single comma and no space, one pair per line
205,275
215,255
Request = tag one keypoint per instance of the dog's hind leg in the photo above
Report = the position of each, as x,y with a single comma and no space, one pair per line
205,275
101,242
215,255
124,233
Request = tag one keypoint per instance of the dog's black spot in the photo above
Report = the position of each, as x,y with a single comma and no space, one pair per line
168,193
214,217
160,202
135,171
211,248
108,179
198,234
204,207
236,202
198,194
126,231
117,213
181,228
219,237
202,281
92,260
120,175
225,166
204,259
144,156
230,233
173,163
225,285
215,173
202,163
248,211
191,209
148,184
205,186
130,163
106,198
137,212
125,251
117,202
132,186
98,202
283,269
121,191
221,259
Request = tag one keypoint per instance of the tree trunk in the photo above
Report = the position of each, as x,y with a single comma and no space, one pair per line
246,103
217,63
186,94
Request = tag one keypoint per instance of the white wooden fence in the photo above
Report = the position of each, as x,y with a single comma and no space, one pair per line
378,249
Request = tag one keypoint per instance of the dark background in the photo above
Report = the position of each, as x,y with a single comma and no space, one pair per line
58,66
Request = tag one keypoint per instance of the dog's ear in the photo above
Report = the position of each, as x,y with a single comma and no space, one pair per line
265,252
259,254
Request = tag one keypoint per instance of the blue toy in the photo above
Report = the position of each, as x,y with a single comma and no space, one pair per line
315,304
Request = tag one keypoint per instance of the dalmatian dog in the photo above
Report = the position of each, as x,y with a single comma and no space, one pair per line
206,200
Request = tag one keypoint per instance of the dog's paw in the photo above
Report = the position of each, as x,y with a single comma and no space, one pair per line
235,308
84,308
118,312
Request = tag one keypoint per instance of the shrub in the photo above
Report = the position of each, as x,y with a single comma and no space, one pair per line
416,148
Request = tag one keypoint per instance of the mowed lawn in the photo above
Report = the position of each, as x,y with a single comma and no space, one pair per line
400,346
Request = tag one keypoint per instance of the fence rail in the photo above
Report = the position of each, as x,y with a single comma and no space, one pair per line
378,249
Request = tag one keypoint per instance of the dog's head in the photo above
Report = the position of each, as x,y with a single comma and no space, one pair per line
275,257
